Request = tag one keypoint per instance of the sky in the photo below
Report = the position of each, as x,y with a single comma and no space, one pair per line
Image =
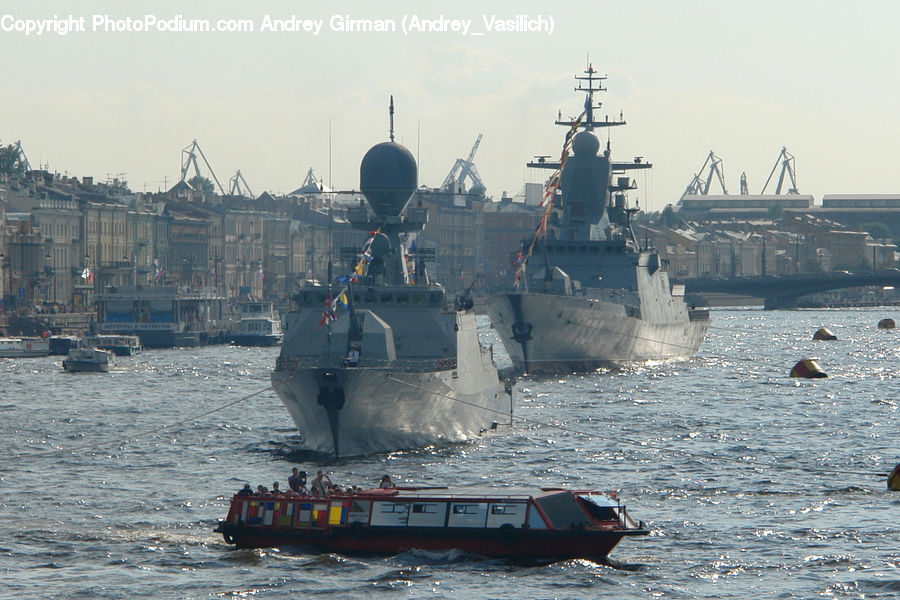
742,79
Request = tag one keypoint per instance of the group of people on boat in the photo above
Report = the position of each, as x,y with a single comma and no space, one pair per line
320,487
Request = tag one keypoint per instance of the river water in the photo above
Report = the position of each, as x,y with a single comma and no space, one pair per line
755,485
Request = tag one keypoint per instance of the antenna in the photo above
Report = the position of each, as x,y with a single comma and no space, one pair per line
330,184
392,117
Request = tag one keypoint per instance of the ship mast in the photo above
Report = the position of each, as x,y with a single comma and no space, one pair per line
589,83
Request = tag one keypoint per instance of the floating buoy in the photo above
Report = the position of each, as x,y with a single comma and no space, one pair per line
824,334
886,324
894,479
808,369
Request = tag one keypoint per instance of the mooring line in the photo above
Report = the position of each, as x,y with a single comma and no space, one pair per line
133,436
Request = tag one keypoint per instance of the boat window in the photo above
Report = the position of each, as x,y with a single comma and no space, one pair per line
385,299
369,298
563,510
436,298
601,513
466,509
425,508
418,298
402,298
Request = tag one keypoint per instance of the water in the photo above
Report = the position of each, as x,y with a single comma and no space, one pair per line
754,484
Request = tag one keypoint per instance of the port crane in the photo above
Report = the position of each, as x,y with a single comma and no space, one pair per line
700,187
22,158
238,186
786,159
463,169
189,158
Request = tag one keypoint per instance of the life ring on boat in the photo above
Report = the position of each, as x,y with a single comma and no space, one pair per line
227,533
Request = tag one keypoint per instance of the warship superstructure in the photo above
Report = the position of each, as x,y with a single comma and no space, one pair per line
388,361
587,293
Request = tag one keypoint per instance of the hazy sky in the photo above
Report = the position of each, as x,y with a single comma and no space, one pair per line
743,79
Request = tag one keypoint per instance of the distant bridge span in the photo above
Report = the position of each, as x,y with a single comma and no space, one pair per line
782,291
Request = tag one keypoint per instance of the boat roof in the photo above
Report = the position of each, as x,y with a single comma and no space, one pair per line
470,493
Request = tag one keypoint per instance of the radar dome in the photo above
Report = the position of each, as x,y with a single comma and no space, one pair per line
388,177
586,144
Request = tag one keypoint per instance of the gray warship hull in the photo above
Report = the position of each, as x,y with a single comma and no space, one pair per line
577,334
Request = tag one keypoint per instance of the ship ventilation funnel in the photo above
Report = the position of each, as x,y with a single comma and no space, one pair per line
808,369
824,335
886,324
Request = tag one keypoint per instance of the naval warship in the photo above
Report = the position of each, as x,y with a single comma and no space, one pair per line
587,294
389,361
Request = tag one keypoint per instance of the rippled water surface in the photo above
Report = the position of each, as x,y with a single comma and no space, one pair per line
754,484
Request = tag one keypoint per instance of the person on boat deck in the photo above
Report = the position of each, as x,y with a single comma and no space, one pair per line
246,490
386,482
319,484
276,491
297,481
261,490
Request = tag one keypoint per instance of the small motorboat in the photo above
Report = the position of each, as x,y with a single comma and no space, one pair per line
549,524
87,360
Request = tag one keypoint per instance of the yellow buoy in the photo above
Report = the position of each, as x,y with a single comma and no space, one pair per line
824,334
894,479
808,369
886,324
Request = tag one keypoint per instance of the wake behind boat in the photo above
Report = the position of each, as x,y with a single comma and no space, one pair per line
591,295
403,367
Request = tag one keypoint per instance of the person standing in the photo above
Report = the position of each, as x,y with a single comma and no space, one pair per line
321,484
297,481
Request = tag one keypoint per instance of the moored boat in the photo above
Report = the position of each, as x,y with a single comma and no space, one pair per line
24,347
258,325
61,344
87,360
120,345
547,524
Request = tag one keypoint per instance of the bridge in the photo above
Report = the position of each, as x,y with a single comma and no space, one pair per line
783,291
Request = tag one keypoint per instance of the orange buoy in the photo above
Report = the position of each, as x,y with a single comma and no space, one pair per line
808,369
886,324
894,479
824,334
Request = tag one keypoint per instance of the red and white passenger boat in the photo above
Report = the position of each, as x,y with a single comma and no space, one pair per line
556,524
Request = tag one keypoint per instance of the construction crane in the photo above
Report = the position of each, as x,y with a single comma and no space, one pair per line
786,160
699,187
463,169
238,186
189,157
